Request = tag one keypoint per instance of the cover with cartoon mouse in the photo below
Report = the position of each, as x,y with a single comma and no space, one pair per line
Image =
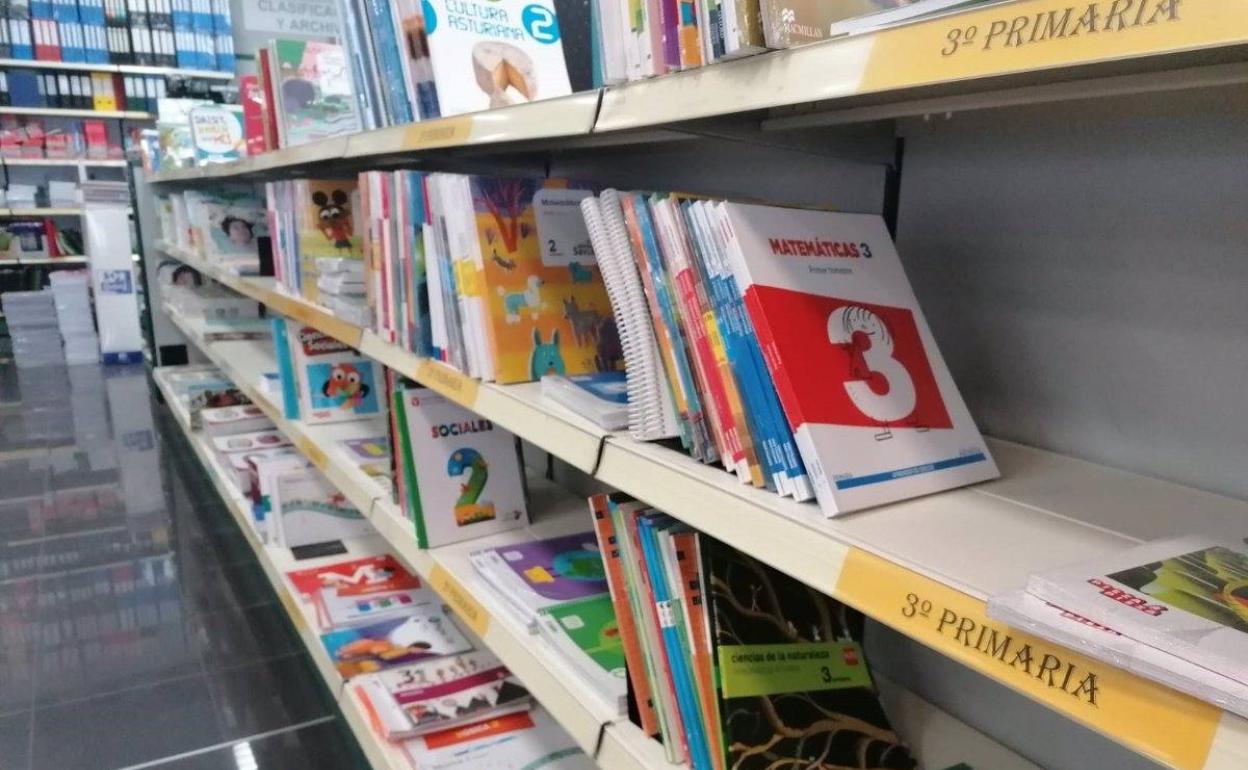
330,226
462,472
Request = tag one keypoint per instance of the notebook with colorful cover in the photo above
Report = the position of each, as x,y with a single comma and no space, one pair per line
514,58
875,413
428,632
359,578
790,671
462,474
312,85
444,693
1187,596
217,134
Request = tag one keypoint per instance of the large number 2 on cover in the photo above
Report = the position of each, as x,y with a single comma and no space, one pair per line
883,390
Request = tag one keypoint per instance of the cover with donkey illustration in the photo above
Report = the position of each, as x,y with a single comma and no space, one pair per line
546,305
794,688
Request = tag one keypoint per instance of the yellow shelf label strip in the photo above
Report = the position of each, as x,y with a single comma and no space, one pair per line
462,602
1150,718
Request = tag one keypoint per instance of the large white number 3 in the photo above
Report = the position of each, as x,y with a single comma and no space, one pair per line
876,357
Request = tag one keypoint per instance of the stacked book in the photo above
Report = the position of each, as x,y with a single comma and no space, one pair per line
33,327
557,588
74,316
640,40
732,663
201,388
1174,611
785,344
221,313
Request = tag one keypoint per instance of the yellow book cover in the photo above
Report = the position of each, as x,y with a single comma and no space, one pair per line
329,227
547,307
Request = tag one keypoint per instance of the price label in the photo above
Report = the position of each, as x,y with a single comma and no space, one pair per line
561,228
459,600
438,133
451,383
313,453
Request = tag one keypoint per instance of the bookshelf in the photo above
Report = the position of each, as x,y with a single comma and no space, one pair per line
614,742
63,163
1068,508
54,112
124,69
857,79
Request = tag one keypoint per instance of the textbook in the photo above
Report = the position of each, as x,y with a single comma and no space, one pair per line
443,693
428,632
217,134
462,474
323,380
306,509
585,633
529,740
539,574
357,580
312,88
1185,596
487,56
875,413
1023,611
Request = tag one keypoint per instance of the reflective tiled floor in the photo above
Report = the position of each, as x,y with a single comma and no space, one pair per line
136,628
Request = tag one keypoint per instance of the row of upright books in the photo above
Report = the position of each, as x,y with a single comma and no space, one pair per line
637,40
98,91
784,344
192,34
22,137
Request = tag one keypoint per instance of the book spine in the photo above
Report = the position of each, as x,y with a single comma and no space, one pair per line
414,509
286,368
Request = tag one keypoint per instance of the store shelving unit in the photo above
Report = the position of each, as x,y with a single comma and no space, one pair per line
58,112
124,69
1046,509
63,162
595,726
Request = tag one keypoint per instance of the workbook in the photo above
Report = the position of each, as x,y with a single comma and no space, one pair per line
462,473
306,509
324,380
312,88
875,413
538,574
427,632
529,740
586,633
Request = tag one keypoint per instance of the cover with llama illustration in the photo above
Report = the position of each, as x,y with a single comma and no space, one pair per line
329,227
323,380
462,472
313,91
547,307
488,55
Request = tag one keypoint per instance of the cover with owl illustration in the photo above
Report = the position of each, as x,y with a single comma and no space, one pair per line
496,54
539,574
545,305
462,473
1187,596
330,226
875,413
323,380
793,686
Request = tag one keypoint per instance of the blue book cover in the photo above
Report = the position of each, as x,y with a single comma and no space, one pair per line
286,369
686,697
386,47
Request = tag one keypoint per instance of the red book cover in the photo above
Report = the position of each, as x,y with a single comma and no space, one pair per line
252,95
49,235
96,135
268,114
608,545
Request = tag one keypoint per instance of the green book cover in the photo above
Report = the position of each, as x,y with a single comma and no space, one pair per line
794,689
590,625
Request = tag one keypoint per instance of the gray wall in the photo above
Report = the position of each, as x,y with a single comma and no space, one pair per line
1084,268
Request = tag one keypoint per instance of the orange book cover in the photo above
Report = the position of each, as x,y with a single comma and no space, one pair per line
544,315
690,565
610,549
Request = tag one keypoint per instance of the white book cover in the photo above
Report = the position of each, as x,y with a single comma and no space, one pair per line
874,411
229,420
1186,596
494,54
334,382
307,509
530,740
1061,626
344,609
267,469
463,472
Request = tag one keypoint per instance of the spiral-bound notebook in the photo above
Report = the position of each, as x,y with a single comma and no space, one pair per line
651,412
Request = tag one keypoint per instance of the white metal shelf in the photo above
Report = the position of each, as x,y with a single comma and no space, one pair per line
125,69
1047,509
64,162
57,112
